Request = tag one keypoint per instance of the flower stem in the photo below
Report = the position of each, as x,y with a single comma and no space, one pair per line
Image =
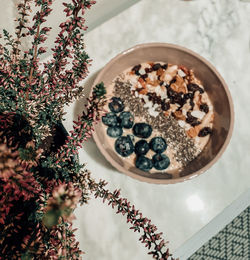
35,55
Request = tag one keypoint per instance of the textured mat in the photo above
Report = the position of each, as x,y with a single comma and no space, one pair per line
231,243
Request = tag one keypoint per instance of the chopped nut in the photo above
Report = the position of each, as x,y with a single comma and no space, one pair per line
159,72
181,73
169,73
153,83
178,114
142,82
208,118
179,85
184,69
192,132
143,91
181,123
166,113
173,107
197,100
197,113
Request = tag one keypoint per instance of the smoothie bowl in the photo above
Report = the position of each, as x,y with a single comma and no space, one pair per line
169,113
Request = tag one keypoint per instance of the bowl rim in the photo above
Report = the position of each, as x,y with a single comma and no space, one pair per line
189,176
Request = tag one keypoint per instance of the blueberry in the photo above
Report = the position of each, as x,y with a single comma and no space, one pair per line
160,161
158,144
116,105
110,119
143,163
114,131
124,146
142,130
126,119
141,147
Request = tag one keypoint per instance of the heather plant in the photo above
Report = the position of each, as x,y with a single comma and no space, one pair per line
41,179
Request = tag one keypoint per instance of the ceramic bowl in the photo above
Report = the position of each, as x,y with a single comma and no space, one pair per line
214,85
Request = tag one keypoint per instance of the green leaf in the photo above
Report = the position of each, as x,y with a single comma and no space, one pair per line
51,218
99,90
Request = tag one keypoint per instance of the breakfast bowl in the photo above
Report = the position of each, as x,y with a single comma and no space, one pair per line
164,58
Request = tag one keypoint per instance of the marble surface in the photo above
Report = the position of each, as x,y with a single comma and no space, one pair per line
219,31
100,12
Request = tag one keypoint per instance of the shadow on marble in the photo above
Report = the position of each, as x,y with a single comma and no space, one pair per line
93,151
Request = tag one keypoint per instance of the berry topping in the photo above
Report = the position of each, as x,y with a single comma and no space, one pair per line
141,147
175,97
154,98
156,66
193,121
165,106
189,96
194,87
165,66
142,130
160,161
124,146
148,70
126,119
204,107
110,119
114,131
144,76
158,144
143,163
116,105
136,67
205,131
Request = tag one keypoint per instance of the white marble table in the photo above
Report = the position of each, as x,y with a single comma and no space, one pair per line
219,31
187,212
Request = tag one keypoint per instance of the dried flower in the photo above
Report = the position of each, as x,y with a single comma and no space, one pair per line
41,179
152,240
61,204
